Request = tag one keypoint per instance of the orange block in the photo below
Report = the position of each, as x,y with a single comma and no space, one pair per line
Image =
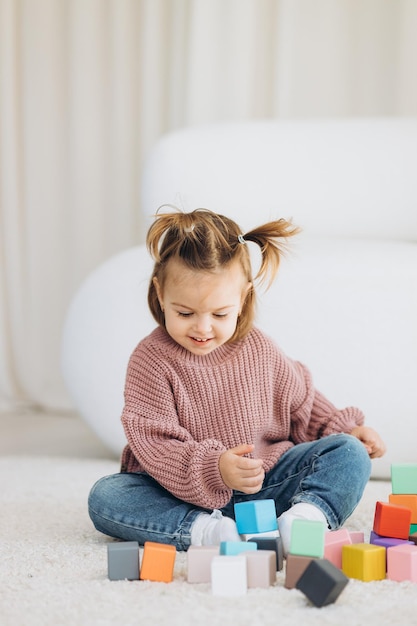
158,562
408,500
392,520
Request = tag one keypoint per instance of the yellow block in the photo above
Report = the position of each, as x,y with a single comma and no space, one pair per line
364,561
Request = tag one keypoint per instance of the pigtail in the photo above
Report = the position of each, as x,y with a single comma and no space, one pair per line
272,241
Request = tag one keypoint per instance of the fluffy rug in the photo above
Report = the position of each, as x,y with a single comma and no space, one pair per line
54,566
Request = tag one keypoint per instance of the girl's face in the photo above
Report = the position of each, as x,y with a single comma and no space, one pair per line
201,308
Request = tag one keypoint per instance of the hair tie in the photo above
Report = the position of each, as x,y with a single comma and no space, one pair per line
241,239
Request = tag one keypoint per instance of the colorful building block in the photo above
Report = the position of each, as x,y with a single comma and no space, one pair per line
123,560
307,538
229,576
333,543
392,520
364,561
232,548
407,500
199,560
275,544
158,562
322,582
295,566
261,570
386,542
402,563
255,516
357,536
413,529
270,534
404,478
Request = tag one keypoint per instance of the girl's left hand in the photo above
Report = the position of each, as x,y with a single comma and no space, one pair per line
370,439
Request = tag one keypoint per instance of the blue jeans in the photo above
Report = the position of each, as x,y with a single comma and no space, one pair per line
330,473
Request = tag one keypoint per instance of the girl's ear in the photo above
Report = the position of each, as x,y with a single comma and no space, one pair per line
158,291
245,292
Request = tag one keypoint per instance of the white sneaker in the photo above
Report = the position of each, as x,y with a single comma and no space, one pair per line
212,529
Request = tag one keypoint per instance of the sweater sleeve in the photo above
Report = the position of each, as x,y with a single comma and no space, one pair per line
312,415
187,468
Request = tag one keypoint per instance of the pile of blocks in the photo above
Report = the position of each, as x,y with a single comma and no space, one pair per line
320,562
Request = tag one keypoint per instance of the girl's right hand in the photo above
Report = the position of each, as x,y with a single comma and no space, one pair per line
240,472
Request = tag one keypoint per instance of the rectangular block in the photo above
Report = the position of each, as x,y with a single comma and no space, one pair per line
333,543
364,561
295,566
232,548
322,582
158,562
199,560
357,536
255,516
404,478
307,538
229,576
271,534
275,544
407,500
392,520
402,563
261,570
123,560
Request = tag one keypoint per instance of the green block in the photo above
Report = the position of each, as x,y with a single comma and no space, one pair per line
307,538
404,478
413,529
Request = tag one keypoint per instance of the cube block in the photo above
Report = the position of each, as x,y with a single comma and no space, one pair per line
199,560
255,516
392,520
407,500
229,576
402,563
158,562
261,568
404,478
357,536
232,548
333,543
322,582
123,560
294,568
364,561
307,538
275,544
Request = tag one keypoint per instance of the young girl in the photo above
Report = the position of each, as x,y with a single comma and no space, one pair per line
214,412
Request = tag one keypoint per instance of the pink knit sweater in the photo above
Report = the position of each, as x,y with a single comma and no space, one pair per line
182,411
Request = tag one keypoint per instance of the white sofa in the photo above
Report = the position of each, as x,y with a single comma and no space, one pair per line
345,300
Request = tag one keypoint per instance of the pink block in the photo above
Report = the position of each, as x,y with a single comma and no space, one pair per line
402,563
333,543
261,568
357,536
199,560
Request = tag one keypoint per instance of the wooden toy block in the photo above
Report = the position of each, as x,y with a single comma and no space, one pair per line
413,529
307,538
364,561
408,500
261,568
123,560
255,516
232,548
386,542
295,566
275,544
402,563
404,478
158,562
357,536
229,576
322,582
333,543
392,520
199,560
267,535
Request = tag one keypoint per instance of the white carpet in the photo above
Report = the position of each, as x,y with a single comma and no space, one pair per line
53,567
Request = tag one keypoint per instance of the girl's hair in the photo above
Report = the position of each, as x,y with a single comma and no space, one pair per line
206,241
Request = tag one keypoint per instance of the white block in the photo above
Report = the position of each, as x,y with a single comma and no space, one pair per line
229,576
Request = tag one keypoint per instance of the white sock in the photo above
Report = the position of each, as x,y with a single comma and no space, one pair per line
211,529
301,510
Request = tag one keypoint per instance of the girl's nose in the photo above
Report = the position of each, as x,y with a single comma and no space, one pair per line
202,323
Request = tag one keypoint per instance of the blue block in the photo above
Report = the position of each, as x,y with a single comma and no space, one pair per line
233,548
255,516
